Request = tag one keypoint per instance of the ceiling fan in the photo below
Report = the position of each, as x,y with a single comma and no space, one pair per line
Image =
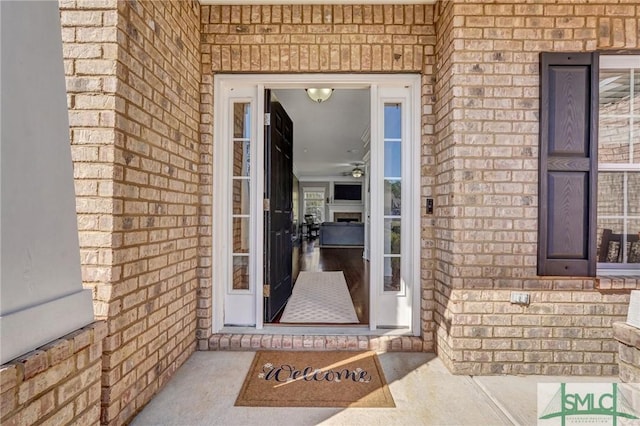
357,171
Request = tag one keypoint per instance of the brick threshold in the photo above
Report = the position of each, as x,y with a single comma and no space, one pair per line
311,342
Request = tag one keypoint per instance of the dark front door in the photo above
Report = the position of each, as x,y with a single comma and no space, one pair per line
278,208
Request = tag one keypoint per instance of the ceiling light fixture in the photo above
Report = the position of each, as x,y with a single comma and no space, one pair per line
319,95
357,172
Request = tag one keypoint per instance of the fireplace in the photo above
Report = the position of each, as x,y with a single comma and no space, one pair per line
347,217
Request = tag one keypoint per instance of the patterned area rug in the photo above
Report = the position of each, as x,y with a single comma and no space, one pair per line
320,297
315,379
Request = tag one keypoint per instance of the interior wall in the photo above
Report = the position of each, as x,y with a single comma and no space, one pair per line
297,201
298,233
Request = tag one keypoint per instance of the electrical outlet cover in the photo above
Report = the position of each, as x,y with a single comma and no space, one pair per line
520,298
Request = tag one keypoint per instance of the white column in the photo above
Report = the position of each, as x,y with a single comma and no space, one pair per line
41,296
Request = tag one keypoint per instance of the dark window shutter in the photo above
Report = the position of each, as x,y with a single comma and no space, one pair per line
568,164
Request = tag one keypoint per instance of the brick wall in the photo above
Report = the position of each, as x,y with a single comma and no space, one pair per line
133,83
56,384
318,38
488,173
140,83
442,169
89,36
628,339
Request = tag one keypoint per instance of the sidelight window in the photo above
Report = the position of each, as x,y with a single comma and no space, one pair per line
241,196
392,196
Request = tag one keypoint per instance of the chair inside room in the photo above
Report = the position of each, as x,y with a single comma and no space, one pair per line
313,228
611,248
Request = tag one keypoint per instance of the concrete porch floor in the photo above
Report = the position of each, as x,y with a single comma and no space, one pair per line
205,388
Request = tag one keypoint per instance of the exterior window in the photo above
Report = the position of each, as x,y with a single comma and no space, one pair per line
392,196
589,204
618,209
241,186
314,203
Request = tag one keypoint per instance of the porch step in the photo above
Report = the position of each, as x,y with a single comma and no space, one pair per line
253,342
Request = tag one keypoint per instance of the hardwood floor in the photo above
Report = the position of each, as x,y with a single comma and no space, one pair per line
349,261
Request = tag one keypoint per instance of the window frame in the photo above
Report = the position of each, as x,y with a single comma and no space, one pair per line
309,189
618,269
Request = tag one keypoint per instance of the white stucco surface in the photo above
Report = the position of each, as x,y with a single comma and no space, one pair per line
41,295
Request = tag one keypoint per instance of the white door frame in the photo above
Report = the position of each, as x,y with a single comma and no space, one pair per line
395,309
366,211
224,85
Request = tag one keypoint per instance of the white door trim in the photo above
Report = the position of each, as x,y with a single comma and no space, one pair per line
396,309
223,83
221,228
366,211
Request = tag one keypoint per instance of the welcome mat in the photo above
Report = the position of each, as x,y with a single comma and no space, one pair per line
320,297
315,379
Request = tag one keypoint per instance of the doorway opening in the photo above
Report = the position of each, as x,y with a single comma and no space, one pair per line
329,141
365,211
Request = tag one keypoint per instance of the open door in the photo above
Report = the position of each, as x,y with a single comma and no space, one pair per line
278,209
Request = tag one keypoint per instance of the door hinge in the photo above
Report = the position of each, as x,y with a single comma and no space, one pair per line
267,119
266,290
266,204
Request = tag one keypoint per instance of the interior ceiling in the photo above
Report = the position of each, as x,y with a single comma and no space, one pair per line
327,136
